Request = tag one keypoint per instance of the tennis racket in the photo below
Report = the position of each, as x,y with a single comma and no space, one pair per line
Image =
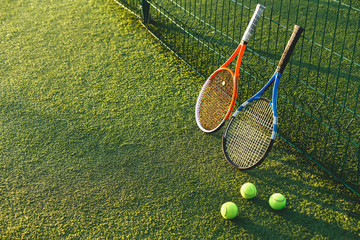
217,97
252,128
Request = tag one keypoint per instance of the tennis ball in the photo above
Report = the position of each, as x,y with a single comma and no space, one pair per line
229,210
277,201
248,190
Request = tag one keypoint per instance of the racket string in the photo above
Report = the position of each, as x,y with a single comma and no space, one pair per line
249,134
216,99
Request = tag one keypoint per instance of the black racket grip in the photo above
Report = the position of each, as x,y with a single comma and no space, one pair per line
289,48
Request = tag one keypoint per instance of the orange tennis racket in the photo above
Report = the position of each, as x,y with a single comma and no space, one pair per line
217,97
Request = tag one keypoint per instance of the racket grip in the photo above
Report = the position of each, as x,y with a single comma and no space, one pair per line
251,27
289,48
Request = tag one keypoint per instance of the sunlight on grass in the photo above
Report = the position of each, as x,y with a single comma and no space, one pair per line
98,140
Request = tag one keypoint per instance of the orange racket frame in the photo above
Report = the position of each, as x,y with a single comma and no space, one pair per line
235,77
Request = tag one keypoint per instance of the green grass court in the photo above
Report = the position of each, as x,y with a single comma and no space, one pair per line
99,141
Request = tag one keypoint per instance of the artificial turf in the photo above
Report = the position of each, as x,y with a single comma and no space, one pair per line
98,140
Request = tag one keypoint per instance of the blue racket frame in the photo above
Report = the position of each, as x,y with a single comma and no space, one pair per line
250,162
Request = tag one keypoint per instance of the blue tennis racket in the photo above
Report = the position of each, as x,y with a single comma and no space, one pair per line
252,129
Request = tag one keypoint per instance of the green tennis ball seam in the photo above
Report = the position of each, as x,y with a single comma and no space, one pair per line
279,200
250,195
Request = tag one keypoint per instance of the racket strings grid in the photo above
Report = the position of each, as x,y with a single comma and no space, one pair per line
215,99
248,136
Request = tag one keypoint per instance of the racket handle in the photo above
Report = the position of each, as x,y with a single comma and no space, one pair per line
251,27
289,48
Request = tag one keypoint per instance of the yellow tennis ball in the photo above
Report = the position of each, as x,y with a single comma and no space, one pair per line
277,201
248,190
229,210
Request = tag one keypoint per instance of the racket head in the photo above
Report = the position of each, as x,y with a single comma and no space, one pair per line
250,134
216,100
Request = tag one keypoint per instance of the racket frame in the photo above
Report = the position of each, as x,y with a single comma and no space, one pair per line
276,80
238,52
